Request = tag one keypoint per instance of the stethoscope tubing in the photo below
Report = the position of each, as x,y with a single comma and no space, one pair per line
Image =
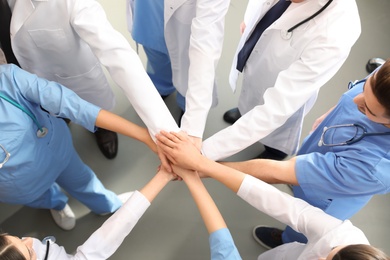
310,17
42,131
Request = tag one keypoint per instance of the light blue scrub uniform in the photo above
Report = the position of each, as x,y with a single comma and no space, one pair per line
38,167
342,179
148,30
222,246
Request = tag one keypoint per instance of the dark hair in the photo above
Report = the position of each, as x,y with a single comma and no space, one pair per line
381,86
360,252
9,251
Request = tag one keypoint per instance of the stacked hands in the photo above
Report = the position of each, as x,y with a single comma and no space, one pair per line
183,156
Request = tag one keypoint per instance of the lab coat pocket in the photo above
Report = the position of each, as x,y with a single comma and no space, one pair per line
50,39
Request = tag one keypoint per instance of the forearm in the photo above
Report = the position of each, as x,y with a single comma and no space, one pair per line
115,123
156,184
270,171
208,210
230,177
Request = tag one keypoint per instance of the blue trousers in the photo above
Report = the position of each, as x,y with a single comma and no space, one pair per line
80,182
159,70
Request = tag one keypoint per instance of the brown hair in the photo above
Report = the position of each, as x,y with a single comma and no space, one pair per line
381,86
360,252
9,251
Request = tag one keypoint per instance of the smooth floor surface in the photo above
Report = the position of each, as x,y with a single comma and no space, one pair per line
172,227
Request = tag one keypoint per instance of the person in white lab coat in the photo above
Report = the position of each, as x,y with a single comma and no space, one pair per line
103,242
284,73
183,43
328,237
68,41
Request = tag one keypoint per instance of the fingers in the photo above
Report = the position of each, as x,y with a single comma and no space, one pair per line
165,140
164,161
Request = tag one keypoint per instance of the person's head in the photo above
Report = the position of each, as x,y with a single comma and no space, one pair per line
374,101
14,248
357,252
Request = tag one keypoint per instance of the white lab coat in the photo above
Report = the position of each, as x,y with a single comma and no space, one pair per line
282,76
194,32
66,41
105,240
322,230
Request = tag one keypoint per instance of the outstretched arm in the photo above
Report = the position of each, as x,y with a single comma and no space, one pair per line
115,123
208,210
180,151
221,242
105,241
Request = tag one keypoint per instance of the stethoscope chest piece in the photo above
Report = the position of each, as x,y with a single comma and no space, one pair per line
286,35
43,133
50,239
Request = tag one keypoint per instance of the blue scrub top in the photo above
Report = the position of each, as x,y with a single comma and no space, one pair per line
29,153
222,245
342,179
148,24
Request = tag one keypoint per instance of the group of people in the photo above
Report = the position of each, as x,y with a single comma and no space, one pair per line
288,50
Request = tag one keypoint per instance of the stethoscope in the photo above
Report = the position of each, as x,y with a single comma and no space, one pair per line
48,241
356,138
287,34
359,128
42,131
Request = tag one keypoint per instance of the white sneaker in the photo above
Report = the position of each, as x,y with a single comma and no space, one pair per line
125,196
64,218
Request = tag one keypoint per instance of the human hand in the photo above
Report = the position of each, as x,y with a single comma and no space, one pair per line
179,149
169,176
165,164
197,141
185,174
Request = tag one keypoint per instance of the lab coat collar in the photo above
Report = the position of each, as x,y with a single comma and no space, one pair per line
24,9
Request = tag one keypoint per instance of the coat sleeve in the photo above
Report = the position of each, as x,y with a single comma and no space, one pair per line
207,32
58,100
126,69
106,240
294,212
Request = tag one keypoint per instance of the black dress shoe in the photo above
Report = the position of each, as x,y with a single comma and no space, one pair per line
232,115
107,142
373,64
271,153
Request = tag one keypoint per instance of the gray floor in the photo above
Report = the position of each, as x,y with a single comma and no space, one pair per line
172,227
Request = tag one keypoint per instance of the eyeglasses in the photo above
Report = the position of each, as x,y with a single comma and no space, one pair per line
7,155
358,132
